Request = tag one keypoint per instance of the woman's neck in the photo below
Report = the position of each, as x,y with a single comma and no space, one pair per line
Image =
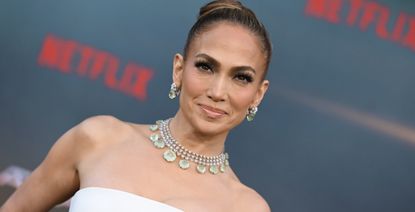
193,139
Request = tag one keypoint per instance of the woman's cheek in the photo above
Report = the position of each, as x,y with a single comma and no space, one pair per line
241,99
195,81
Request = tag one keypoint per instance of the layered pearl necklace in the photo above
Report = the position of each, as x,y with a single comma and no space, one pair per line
161,137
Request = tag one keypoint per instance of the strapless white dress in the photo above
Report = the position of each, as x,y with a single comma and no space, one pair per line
99,199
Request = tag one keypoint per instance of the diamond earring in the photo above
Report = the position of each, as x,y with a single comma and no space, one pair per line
174,91
251,113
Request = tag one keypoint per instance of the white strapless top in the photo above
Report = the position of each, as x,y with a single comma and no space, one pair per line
93,199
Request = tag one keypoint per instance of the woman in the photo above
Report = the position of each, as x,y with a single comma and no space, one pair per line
178,164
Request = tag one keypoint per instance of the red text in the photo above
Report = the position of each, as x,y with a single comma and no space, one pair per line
365,13
68,56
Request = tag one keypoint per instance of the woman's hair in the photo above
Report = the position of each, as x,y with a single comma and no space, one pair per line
234,12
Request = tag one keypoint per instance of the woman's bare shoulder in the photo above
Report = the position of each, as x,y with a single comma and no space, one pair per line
254,201
250,200
101,129
56,178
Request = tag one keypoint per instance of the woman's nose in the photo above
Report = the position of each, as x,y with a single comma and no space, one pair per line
218,89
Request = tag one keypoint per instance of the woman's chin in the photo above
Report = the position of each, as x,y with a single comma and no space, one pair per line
212,126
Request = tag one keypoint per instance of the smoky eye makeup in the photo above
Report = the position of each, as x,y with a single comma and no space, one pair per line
203,65
244,76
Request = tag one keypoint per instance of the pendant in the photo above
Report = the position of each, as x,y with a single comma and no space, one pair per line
250,117
201,168
222,167
154,137
184,164
159,144
214,169
169,155
154,127
172,94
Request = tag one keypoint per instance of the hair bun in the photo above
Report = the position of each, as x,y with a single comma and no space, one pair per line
219,5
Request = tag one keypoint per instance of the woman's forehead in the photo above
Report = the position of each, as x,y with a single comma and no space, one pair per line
229,44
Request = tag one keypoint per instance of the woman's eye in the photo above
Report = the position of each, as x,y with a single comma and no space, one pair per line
203,66
244,78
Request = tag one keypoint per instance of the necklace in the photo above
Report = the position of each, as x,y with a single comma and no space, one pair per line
161,137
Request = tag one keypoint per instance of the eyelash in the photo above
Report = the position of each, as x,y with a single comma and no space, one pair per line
246,78
205,66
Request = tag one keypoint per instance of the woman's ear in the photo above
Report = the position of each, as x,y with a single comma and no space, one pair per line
178,67
261,92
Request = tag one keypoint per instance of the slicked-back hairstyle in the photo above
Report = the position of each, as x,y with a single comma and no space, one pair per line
233,12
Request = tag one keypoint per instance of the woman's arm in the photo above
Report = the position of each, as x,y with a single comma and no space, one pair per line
14,176
56,178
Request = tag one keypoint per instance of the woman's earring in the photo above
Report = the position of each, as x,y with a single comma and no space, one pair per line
251,113
174,91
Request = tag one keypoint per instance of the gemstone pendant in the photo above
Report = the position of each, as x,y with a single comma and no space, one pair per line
250,117
154,137
222,167
159,144
169,156
201,168
154,127
172,95
214,169
184,164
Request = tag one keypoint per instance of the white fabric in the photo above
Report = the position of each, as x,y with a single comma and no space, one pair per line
92,199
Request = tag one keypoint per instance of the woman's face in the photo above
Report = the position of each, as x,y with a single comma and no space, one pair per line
220,78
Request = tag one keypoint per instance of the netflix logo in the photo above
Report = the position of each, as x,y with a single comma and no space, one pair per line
71,57
365,13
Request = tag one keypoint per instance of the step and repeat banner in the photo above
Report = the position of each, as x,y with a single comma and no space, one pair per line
335,132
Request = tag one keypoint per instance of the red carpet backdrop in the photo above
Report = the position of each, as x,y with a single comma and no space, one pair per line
336,131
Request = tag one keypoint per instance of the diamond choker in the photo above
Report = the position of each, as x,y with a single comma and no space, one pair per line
163,138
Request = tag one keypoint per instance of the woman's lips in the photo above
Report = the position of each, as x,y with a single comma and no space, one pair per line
212,112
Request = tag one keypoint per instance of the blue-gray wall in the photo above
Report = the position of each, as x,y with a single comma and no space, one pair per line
336,131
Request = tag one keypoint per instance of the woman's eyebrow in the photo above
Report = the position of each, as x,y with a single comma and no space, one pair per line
209,58
244,68
217,64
